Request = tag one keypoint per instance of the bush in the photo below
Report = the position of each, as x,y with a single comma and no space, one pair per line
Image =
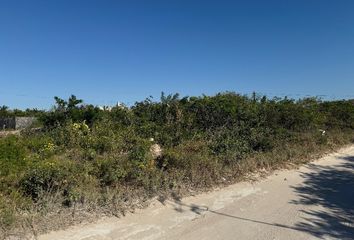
93,157
44,177
12,155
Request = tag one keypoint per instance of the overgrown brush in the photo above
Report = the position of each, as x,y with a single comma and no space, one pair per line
87,161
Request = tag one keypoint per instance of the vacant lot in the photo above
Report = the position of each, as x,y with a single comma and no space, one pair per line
312,202
86,162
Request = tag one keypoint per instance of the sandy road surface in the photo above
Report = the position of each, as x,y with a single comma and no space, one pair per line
313,202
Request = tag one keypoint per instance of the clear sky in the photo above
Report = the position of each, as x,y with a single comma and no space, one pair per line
107,51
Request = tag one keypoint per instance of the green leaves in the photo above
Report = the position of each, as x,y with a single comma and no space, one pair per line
12,155
85,151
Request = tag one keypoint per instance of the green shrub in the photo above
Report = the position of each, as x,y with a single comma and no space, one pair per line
111,171
85,155
44,177
12,155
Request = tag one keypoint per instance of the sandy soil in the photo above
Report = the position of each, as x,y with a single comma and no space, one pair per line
9,132
313,202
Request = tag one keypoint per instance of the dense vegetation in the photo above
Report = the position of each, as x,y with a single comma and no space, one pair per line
6,112
88,160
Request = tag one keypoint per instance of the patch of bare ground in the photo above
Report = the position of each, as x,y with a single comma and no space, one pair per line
9,132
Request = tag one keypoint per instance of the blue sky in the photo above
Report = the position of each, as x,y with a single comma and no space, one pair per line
107,51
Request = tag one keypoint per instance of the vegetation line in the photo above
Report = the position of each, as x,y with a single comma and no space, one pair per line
81,161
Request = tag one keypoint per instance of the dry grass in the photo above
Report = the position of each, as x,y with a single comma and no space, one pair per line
48,214
6,133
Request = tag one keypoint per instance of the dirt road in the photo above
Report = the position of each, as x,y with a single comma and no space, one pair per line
313,202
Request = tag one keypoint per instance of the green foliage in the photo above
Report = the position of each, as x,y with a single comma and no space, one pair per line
44,177
5,111
111,171
338,114
12,155
71,110
84,152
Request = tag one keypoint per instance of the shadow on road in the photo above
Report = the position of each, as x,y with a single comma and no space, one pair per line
199,210
331,187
